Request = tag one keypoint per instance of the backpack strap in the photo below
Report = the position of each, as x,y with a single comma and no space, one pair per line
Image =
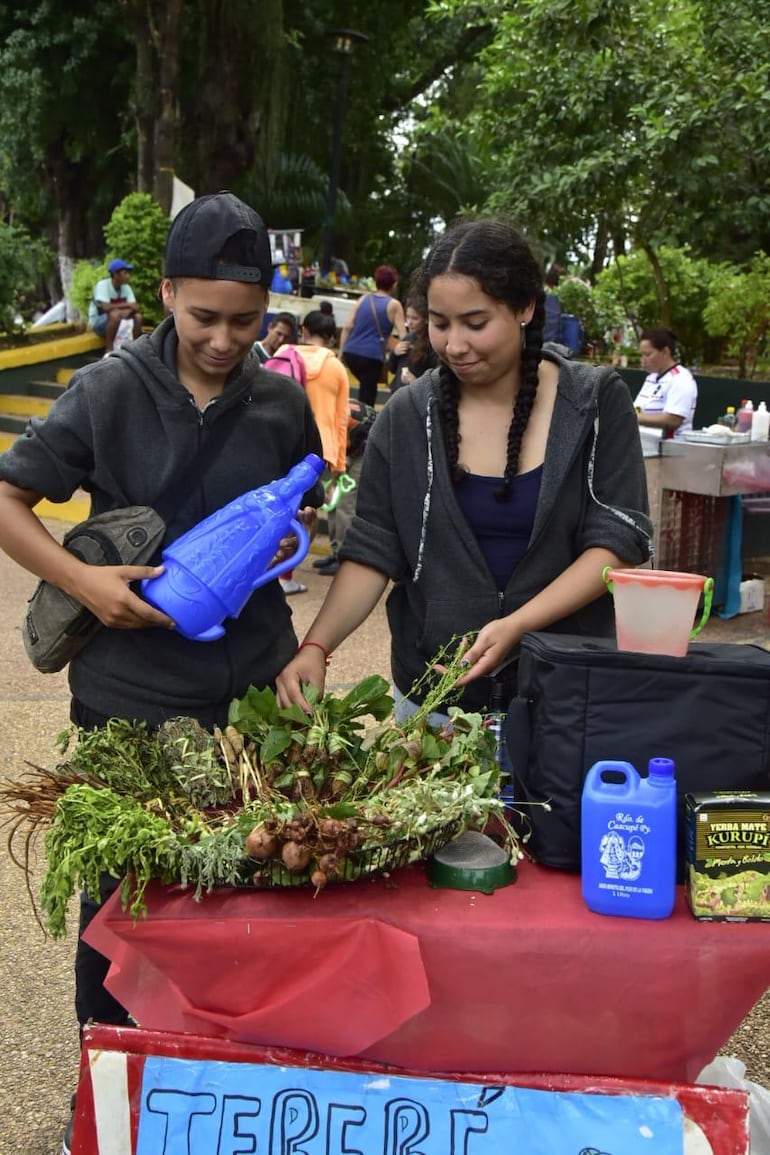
383,339
289,363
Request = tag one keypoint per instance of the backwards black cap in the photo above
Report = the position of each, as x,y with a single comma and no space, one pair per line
219,238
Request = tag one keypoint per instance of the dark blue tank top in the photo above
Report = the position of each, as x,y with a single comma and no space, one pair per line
502,528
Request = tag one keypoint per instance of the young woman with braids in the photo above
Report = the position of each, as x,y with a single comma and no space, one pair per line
494,489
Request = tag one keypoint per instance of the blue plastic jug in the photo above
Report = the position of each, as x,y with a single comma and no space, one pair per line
212,570
628,839
570,332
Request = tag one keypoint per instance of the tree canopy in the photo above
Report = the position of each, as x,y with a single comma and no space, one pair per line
628,123
602,127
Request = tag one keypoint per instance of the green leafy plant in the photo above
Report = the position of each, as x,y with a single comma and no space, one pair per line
137,232
577,297
296,193
739,309
628,287
23,264
278,797
85,274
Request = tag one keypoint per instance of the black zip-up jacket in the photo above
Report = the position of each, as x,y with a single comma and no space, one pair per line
124,429
409,525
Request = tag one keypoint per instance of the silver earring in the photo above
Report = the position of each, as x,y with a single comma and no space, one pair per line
523,335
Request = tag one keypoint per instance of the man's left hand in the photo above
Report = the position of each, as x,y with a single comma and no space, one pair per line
288,545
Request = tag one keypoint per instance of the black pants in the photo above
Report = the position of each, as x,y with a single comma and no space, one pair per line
368,372
92,1000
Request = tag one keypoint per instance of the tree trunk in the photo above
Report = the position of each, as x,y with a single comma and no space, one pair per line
67,240
660,284
66,267
145,102
168,118
240,107
68,182
601,244
139,19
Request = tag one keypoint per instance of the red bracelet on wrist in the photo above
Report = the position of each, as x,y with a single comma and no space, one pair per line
318,646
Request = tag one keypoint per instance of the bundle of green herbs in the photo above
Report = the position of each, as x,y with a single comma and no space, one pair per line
278,797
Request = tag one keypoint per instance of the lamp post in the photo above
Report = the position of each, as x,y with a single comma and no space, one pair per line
344,41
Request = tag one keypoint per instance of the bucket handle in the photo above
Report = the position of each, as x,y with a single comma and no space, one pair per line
708,595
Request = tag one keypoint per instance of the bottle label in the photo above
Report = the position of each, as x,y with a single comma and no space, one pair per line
621,852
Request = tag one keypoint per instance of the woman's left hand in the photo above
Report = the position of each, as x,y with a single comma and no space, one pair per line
492,646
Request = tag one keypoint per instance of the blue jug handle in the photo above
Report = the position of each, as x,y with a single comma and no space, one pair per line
303,545
629,773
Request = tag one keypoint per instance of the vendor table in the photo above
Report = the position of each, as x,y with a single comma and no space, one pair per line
393,971
691,486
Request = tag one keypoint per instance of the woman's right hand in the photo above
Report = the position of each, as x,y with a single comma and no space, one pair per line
307,665
401,347
354,592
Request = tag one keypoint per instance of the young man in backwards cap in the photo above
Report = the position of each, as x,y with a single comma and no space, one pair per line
124,429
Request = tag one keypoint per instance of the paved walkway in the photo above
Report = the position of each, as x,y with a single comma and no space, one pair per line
38,1059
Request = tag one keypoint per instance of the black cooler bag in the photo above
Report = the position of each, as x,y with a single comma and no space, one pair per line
581,700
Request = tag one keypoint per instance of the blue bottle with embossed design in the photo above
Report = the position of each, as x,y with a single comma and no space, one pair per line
628,839
212,570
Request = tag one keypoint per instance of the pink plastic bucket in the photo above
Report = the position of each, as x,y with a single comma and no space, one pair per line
654,608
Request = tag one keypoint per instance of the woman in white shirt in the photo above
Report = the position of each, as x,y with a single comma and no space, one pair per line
667,399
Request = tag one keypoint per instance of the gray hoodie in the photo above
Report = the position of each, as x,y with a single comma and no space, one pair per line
409,525
124,429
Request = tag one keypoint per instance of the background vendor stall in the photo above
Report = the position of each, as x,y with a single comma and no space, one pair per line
694,483
696,489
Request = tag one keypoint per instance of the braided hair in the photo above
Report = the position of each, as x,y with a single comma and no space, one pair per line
500,260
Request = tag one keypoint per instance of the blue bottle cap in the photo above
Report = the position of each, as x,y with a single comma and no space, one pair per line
661,768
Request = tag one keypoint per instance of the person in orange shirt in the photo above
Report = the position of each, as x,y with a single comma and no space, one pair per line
327,388
328,391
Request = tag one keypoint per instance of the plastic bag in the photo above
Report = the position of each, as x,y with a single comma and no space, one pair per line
748,474
731,1073
125,333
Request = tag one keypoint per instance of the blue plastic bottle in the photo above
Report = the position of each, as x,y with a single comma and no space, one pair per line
212,570
628,839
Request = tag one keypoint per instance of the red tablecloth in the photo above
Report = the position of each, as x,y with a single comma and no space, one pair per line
394,971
